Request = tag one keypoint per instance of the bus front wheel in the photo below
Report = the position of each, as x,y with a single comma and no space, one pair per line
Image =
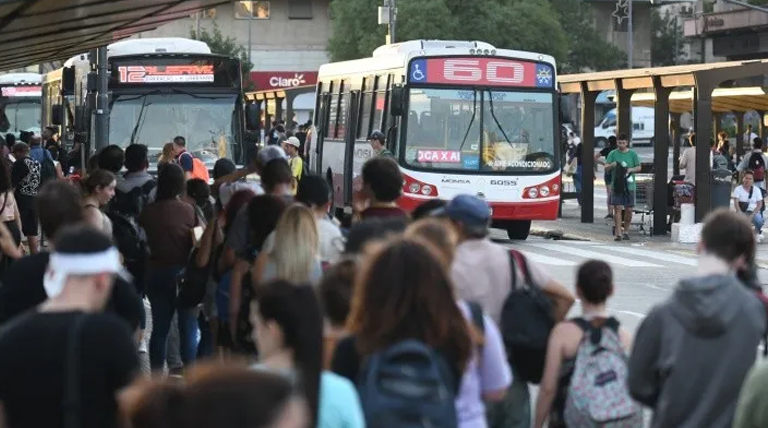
519,229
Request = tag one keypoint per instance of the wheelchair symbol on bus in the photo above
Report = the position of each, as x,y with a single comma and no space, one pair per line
417,75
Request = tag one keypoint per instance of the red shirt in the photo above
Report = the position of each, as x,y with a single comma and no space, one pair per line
383,212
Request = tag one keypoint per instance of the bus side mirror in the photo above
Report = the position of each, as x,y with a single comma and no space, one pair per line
252,117
81,119
396,105
57,114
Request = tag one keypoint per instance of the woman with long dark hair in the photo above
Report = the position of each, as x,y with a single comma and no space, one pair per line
405,294
288,326
168,223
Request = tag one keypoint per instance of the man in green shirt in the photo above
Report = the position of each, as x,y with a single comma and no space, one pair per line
623,196
377,142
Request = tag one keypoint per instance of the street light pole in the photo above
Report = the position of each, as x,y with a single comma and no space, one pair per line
250,24
630,41
391,6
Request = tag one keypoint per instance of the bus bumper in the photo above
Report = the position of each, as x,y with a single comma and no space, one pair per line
533,210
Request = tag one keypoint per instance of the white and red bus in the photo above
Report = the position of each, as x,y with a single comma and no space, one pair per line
461,118
20,97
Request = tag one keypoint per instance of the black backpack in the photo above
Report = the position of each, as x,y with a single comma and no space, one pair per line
131,203
526,321
128,238
620,186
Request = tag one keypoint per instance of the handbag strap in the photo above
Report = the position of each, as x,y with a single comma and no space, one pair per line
71,402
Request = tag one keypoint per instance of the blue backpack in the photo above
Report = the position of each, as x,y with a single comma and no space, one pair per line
407,385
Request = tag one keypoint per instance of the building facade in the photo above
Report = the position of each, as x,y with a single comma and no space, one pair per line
722,31
287,39
611,19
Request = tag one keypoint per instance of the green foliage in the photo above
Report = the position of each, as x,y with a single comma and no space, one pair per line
666,39
511,24
561,28
226,46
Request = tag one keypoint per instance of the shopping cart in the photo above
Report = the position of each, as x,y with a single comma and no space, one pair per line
644,203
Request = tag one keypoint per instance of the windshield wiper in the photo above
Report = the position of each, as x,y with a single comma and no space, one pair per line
471,121
493,115
141,112
140,121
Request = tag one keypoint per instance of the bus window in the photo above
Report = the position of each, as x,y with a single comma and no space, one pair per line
366,107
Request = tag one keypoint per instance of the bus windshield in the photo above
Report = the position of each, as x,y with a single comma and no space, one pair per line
20,115
207,122
480,130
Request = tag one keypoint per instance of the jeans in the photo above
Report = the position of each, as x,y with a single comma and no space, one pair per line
577,183
758,221
161,291
205,348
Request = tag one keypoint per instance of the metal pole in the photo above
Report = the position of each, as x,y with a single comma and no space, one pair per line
677,46
197,25
391,5
250,24
102,99
630,44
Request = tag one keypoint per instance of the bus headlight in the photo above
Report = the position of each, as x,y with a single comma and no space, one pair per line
532,193
544,191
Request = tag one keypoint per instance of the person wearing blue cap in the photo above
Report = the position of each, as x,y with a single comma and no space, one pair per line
482,272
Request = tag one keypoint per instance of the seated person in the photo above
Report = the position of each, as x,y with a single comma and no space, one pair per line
748,199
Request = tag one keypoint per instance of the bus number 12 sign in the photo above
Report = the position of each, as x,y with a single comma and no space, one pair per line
166,74
481,71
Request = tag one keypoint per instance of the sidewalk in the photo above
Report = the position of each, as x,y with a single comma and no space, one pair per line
570,227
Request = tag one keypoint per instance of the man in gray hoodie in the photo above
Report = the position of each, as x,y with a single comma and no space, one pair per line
692,352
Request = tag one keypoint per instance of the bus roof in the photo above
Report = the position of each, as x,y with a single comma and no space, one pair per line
397,55
157,45
21,79
147,46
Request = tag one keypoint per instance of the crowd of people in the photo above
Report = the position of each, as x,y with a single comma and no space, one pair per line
283,317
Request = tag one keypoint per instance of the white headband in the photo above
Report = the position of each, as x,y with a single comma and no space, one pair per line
63,265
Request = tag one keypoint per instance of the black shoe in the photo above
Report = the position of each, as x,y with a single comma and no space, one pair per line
625,236
608,216
617,239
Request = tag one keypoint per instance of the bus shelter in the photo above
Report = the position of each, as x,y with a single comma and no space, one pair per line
707,90
271,103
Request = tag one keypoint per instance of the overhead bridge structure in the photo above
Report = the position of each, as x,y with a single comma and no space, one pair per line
38,31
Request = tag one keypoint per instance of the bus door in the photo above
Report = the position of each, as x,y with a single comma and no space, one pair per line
351,180
321,121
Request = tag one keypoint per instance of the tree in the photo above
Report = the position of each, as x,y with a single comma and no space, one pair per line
666,39
510,24
587,50
226,46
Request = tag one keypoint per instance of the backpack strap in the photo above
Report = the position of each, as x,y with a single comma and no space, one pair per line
71,402
516,258
476,311
595,333
148,186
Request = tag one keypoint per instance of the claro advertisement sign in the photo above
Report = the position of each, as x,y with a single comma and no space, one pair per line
264,80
